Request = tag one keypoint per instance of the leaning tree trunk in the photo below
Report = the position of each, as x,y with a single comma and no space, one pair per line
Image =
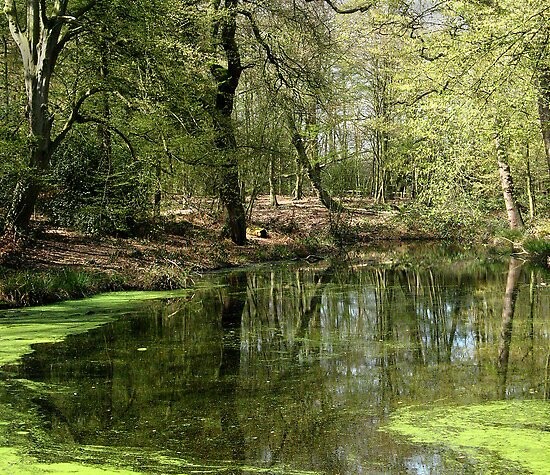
514,215
313,170
227,80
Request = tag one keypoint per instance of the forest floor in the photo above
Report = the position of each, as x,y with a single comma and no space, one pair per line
191,239
58,264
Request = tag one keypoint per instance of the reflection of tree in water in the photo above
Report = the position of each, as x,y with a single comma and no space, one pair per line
508,308
295,366
231,315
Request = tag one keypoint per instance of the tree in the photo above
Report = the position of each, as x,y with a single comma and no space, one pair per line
473,83
48,30
227,80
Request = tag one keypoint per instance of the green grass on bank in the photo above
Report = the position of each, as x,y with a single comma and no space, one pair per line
31,287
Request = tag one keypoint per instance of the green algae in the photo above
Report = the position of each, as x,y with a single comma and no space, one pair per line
22,328
511,434
112,301
25,448
12,462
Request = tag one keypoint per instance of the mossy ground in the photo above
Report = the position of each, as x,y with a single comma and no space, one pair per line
500,437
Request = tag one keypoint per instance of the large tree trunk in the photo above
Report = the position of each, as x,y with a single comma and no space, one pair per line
29,185
514,215
544,111
39,43
313,170
227,80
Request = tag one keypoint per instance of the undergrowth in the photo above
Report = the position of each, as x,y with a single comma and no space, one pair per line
33,287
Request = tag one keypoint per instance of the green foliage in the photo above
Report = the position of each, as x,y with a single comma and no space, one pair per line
277,252
382,112
341,229
13,150
452,223
165,278
97,193
539,249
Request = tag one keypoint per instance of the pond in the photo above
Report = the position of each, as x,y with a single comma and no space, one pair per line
291,369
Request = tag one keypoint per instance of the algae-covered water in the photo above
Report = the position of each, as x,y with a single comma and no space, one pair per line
290,369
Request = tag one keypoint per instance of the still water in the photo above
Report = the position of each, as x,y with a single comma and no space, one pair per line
291,369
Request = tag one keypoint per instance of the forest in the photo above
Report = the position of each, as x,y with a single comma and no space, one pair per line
118,115
370,180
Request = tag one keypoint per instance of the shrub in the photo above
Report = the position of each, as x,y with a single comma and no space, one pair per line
95,194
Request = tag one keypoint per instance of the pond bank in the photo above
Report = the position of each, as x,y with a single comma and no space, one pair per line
59,264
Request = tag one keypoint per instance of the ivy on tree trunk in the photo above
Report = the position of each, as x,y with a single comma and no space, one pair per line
227,81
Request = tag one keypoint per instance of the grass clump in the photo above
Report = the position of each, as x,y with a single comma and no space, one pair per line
34,287
538,249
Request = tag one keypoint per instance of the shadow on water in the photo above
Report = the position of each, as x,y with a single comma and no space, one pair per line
290,369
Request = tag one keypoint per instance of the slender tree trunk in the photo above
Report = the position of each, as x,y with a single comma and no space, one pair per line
6,74
530,187
104,131
157,199
544,111
514,215
313,170
227,80
272,180
298,192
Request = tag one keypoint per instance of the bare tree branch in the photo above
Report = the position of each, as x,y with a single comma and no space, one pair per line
267,48
74,117
60,7
85,9
10,10
96,120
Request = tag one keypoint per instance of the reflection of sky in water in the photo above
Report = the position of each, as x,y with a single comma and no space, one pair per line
312,374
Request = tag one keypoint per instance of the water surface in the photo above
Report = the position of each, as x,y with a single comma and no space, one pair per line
292,369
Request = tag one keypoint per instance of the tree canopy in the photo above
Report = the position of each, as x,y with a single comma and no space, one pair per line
114,111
